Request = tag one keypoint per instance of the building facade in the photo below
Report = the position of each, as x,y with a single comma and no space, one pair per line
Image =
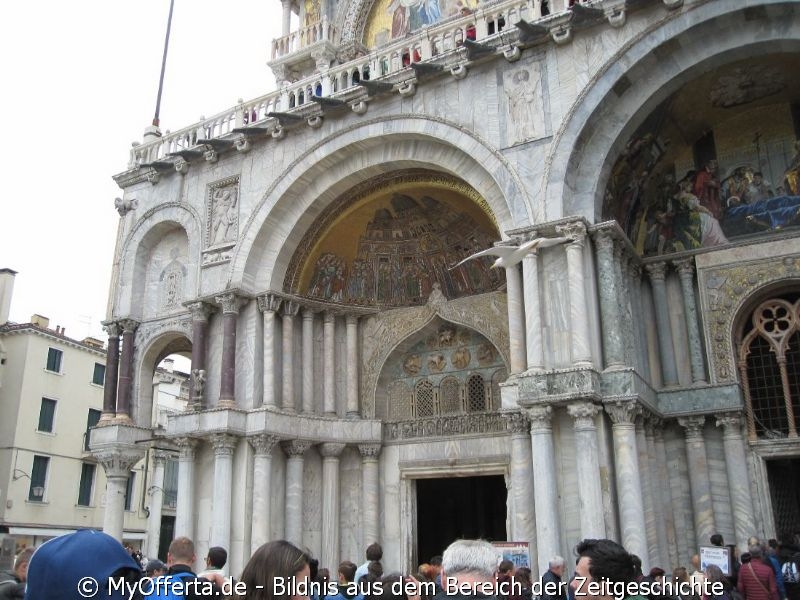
632,376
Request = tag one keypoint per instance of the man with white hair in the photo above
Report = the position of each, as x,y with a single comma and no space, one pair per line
552,588
468,570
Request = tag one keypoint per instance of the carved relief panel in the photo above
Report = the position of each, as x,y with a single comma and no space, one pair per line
222,220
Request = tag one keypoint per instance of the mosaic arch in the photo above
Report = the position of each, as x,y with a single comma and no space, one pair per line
391,240
717,160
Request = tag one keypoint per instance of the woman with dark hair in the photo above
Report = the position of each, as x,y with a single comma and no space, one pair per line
714,575
522,577
277,571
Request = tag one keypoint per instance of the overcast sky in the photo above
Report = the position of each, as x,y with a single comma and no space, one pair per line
79,84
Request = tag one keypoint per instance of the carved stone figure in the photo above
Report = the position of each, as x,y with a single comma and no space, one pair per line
525,106
224,215
436,363
461,357
198,385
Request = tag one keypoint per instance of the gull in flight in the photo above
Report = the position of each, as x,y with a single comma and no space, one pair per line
511,255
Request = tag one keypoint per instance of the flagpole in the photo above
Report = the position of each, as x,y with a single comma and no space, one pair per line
163,65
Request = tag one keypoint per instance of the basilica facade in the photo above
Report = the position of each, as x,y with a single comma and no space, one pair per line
633,376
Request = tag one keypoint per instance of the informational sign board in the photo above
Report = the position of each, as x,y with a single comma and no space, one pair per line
715,555
517,552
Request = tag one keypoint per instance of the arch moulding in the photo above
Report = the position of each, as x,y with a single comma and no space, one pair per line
657,63
383,333
357,154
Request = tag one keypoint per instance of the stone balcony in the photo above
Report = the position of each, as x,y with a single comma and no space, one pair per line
501,29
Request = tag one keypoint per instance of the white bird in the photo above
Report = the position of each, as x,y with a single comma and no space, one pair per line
511,255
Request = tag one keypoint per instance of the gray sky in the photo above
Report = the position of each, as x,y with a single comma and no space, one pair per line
79,85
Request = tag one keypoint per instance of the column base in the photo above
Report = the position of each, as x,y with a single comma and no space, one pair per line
107,417
226,403
123,419
353,415
583,364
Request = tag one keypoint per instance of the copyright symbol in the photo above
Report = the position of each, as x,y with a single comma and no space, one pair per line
87,587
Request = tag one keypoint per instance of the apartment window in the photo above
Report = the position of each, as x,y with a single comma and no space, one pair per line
38,478
47,413
87,482
129,490
99,375
91,421
54,357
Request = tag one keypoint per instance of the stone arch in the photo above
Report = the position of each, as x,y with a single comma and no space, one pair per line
349,157
388,334
143,237
639,77
152,345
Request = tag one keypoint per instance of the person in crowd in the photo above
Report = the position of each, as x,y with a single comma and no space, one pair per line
12,584
505,574
756,578
771,557
275,572
603,561
346,588
468,565
524,579
62,568
374,553
791,577
155,568
714,575
552,588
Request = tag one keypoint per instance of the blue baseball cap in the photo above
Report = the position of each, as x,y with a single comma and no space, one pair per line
77,566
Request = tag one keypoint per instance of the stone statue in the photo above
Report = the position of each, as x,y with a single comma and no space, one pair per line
224,216
198,385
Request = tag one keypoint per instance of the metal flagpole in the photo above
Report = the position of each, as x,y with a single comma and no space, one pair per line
163,65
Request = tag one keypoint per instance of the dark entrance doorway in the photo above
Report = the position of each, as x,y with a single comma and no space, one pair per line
784,489
166,536
459,507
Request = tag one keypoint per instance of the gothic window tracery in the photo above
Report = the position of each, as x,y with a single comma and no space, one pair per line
769,367
424,399
476,394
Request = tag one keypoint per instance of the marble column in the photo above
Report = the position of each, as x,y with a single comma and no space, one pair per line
286,21
289,312
621,261
184,510
262,489
200,313
126,371
648,500
269,305
533,316
669,370
330,502
370,494
659,488
629,485
227,387
588,469
112,372
545,492
224,444
579,320
666,497
156,494
738,477
117,465
634,273
516,320
329,363
610,316
699,480
351,322
308,361
523,518
686,274
294,450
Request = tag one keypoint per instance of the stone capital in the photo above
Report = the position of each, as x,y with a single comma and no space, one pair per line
269,303
623,412
161,456
369,451
331,449
128,325
263,443
223,443
732,424
290,308
584,414
575,231
296,448
540,418
200,310
328,316
657,271
186,447
308,313
634,269
518,423
112,328
118,463
693,426
684,267
351,320
652,424
605,240
230,302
